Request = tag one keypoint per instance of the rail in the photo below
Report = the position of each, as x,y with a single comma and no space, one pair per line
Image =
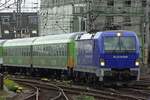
38,84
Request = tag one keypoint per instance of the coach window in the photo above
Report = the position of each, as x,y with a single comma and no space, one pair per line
14,51
42,49
53,50
34,51
19,51
39,50
10,51
58,50
26,52
22,51
63,50
6,51
48,50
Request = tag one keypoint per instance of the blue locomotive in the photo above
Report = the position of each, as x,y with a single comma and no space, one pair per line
108,55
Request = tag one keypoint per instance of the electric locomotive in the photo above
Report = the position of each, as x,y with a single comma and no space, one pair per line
108,56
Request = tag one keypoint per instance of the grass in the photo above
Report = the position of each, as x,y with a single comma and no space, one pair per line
11,85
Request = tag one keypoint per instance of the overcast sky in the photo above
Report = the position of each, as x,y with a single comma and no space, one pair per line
27,5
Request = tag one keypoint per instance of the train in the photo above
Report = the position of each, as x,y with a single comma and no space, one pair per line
104,56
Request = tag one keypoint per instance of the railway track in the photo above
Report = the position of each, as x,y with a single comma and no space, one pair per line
44,91
30,94
139,91
103,93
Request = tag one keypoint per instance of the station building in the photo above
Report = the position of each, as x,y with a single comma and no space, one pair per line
28,25
63,16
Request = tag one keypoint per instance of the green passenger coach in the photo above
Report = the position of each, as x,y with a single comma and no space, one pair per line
54,51
17,52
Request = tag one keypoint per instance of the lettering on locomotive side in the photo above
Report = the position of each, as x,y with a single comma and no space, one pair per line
120,56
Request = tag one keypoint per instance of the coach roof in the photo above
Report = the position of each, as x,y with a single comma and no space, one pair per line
19,42
61,38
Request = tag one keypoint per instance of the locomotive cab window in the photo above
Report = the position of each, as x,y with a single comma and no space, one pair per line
119,44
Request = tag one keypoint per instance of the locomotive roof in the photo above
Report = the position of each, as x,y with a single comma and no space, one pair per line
19,42
113,33
61,38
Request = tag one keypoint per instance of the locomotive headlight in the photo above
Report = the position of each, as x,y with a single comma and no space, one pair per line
137,63
102,63
118,34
